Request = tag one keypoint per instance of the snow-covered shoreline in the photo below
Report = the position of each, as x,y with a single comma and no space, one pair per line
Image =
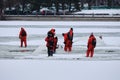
99,11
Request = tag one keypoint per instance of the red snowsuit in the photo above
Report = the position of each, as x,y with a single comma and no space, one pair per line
55,44
67,42
49,39
23,37
90,50
71,36
50,43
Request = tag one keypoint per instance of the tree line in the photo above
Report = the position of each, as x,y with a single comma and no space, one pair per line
78,4
35,4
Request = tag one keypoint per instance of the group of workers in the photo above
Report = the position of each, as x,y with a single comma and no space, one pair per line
51,41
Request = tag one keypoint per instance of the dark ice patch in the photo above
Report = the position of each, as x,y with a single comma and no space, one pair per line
21,50
110,51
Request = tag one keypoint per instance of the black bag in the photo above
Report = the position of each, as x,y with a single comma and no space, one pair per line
23,33
94,42
69,36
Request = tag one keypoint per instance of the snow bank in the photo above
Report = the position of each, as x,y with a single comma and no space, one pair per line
99,11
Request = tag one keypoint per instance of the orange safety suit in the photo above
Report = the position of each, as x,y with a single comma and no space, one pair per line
67,42
90,46
23,37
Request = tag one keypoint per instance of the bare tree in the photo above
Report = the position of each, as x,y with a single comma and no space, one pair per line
89,4
109,3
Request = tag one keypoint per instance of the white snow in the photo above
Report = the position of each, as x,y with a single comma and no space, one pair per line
80,27
100,11
59,70
62,66
39,31
62,23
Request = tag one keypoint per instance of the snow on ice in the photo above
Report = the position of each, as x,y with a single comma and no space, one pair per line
32,63
37,32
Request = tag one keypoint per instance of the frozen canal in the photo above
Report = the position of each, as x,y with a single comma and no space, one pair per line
107,48
32,63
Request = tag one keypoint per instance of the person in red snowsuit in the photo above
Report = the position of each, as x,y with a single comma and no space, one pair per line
50,42
71,34
23,37
91,45
67,42
55,43
70,37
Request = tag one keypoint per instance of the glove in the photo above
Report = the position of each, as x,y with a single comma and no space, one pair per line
87,46
64,42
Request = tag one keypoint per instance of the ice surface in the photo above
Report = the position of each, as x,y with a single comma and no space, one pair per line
59,70
32,63
37,31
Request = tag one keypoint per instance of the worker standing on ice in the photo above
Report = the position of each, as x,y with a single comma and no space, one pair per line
70,37
23,37
91,45
55,39
50,42
68,40
55,43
